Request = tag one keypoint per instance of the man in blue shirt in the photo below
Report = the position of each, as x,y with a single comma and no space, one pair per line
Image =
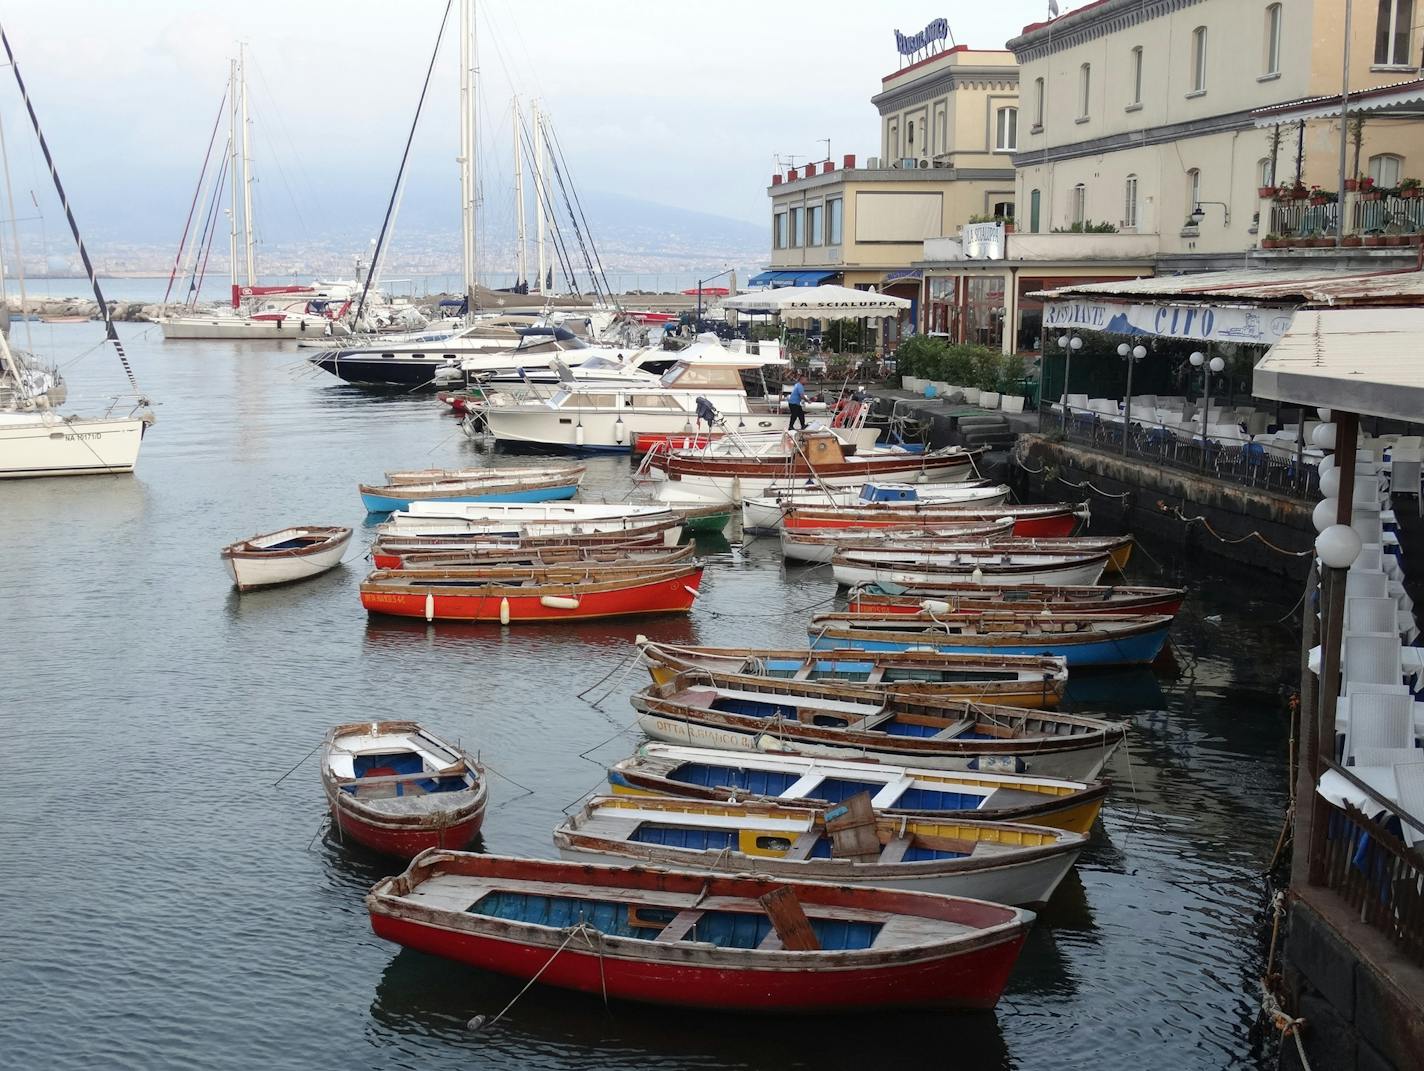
798,411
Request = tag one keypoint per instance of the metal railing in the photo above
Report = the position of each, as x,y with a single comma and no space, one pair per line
1398,215
1302,217
1368,865
1242,462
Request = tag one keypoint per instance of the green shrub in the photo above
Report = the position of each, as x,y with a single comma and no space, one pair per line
957,369
1011,374
920,356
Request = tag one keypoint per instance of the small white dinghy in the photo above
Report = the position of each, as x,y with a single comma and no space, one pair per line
284,557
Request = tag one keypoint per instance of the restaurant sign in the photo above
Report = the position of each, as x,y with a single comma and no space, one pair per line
982,241
1260,326
918,42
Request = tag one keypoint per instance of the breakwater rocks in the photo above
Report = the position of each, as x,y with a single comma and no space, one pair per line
66,309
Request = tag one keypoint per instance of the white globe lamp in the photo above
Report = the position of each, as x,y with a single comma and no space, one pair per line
1197,358
1123,349
1325,512
1330,483
1217,364
1139,352
1324,436
1326,464
1338,546
1076,342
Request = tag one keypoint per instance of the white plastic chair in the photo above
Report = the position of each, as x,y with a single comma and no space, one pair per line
1378,720
1409,785
1371,658
1371,615
1404,478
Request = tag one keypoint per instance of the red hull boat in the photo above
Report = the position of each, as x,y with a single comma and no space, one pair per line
1037,521
702,941
911,599
399,789
506,594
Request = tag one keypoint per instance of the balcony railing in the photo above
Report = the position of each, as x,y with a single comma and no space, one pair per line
1369,866
1400,215
1387,215
1235,460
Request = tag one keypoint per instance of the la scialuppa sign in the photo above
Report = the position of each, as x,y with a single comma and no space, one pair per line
936,31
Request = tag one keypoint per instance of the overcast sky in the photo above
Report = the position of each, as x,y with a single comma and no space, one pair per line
680,103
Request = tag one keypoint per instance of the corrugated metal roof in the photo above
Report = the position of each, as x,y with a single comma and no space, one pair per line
1353,360
1300,287
1377,98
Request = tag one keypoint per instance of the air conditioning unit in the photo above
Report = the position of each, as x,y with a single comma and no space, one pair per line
873,163
924,163
940,163
907,162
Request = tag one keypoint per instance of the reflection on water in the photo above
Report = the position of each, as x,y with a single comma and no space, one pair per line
151,711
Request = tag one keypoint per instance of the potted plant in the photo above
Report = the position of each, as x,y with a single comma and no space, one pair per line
1351,240
1368,191
1372,240
1396,240
1409,188
1318,196
1008,222
1298,192
1272,241
1266,193
1011,382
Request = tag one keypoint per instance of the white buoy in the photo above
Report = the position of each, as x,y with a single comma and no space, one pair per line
935,606
977,576
429,606
504,611
558,602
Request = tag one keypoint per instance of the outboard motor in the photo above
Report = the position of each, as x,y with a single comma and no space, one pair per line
706,411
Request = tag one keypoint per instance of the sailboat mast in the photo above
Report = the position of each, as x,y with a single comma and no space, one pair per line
521,260
467,153
540,194
246,170
234,209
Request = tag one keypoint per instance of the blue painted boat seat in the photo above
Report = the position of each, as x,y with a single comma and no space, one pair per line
726,929
294,544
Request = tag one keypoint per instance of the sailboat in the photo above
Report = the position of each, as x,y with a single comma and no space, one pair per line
35,440
265,312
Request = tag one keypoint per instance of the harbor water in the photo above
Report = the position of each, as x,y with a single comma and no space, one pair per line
175,899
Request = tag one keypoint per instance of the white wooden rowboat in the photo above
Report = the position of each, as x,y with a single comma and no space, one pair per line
284,557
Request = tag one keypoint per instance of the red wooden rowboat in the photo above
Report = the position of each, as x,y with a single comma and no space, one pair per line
1048,520
532,593
955,598
536,555
399,789
702,940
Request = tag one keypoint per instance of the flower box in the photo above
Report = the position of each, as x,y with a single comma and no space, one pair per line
1351,185
1267,192
988,399
1011,403
1373,241
1370,195
1351,240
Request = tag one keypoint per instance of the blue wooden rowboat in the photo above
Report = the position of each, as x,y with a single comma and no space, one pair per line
494,485
1084,640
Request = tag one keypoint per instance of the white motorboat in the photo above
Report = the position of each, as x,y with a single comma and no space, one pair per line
286,556
43,443
764,512
595,417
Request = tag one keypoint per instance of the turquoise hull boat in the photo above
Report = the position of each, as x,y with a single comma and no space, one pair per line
389,503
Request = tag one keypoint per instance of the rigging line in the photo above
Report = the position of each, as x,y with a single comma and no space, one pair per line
405,157
544,203
573,219
104,310
200,264
197,193
578,203
15,237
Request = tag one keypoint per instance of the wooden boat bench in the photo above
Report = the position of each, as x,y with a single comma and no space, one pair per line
803,845
957,729
680,926
895,851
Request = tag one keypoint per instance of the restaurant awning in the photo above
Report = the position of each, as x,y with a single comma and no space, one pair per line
1400,97
1359,360
820,303
791,278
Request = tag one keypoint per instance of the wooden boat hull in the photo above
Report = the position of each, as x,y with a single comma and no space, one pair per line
1032,523
764,513
1139,645
377,502
1037,687
697,773
1079,599
400,833
669,591
251,569
969,973
853,569
821,544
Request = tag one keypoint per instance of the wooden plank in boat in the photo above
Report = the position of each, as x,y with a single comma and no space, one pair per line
957,729
895,851
852,829
789,920
801,848
680,925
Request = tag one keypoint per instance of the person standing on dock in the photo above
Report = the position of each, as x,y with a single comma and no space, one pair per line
796,404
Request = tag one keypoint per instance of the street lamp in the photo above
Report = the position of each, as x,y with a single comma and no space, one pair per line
1069,346
1216,364
1133,354
697,328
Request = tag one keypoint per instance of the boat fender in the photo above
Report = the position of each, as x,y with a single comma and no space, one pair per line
977,576
578,435
429,606
998,764
558,602
504,611
1005,520
935,606
691,590
619,430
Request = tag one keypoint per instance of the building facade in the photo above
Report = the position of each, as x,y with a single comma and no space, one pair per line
948,130
1137,114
